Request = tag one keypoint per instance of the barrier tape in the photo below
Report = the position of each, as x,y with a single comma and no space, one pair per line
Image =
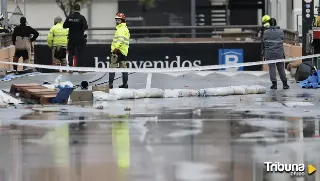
159,70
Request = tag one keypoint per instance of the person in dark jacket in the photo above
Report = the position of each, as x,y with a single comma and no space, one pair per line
273,49
22,38
77,25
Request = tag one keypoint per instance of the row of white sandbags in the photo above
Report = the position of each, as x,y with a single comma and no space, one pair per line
233,90
117,94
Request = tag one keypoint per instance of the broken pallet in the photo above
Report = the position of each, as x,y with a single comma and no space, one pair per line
37,92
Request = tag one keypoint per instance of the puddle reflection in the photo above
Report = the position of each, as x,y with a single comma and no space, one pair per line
214,144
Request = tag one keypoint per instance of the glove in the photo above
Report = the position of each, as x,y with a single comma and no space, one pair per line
115,51
289,66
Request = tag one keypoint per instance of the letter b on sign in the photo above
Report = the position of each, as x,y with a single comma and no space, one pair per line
229,57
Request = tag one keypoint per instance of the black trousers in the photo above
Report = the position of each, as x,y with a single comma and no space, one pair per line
75,49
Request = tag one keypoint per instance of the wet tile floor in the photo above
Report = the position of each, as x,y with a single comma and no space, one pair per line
196,144
193,139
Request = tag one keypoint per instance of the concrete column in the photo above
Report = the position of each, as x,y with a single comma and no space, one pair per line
4,11
89,18
289,14
193,17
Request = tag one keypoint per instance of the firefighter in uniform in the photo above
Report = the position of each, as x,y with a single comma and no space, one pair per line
265,25
57,39
119,50
273,49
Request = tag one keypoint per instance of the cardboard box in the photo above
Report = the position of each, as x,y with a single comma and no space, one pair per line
290,51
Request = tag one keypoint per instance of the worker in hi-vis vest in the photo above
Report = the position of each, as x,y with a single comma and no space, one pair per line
119,50
57,39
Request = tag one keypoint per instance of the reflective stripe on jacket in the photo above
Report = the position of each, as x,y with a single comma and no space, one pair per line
58,36
121,39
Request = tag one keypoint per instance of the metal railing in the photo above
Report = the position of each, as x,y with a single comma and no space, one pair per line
172,34
181,33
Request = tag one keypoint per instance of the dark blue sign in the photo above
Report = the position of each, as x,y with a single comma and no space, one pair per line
229,57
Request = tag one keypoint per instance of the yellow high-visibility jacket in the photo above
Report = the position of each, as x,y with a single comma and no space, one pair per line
58,36
121,39
316,22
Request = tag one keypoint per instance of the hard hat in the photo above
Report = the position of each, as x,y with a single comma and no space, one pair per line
265,18
120,16
57,19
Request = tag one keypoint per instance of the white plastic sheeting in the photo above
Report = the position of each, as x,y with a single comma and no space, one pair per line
6,99
118,94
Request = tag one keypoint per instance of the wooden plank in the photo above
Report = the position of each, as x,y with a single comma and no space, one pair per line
22,89
37,95
25,85
40,90
40,94
45,93
15,88
46,99
49,96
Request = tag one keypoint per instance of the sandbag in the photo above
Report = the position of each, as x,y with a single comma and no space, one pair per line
261,89
171,93
140,93
224,91
188,93
68,83
239,90
123,93
211,92
102,96
155,93
252,90
49,86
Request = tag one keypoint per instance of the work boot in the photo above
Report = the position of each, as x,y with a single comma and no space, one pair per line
124,86
285,85
274,85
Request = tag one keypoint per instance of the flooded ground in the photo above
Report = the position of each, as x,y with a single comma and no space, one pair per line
183,139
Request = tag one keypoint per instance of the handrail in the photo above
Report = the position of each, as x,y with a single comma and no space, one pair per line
222,32
170,27
243,32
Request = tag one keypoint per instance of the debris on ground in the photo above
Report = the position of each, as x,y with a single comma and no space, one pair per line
6,99
47,109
